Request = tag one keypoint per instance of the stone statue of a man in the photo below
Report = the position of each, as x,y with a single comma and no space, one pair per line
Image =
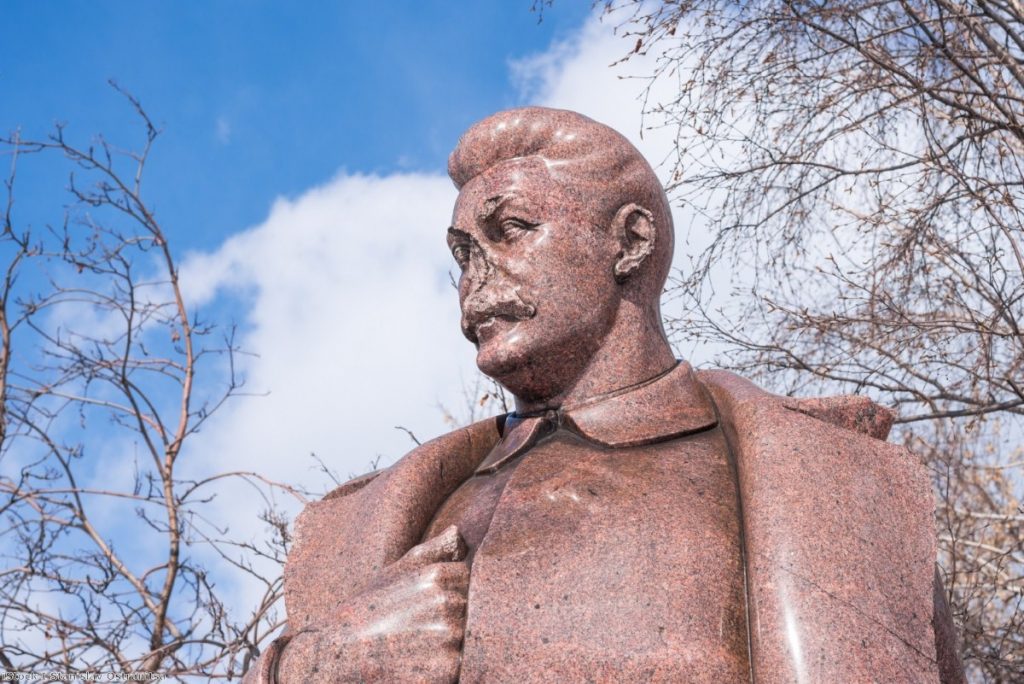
632,520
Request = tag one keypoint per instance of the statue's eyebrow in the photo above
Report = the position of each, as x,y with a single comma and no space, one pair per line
457,233
492,205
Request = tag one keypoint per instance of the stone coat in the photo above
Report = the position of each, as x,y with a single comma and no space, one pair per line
837,533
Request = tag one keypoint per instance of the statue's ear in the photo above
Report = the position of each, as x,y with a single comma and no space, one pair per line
634,227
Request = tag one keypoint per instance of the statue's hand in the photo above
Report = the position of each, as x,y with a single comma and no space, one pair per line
407,625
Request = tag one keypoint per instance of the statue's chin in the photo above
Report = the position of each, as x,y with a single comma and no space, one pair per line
521,371
534,367
498,361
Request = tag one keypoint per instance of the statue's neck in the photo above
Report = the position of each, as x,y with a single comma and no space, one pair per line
627,357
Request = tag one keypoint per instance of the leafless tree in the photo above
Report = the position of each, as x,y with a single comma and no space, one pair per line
106,546
857,170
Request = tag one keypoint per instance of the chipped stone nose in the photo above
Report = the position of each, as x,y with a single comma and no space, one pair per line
480,270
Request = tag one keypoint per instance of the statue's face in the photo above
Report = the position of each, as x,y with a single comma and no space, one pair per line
537,288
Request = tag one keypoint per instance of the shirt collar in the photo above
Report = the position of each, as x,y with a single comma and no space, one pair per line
665,407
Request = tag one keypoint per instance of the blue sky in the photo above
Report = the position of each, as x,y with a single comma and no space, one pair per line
262,99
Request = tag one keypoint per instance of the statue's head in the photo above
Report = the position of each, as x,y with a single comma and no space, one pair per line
564,238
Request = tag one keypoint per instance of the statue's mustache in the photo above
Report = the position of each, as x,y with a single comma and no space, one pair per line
477,311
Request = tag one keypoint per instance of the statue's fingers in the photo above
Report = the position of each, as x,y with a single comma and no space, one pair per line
447,547
453,610
442,577
449,576
404,583
433,609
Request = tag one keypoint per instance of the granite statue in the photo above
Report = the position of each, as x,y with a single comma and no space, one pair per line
633,519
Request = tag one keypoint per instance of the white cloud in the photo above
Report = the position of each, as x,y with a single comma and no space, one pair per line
354,321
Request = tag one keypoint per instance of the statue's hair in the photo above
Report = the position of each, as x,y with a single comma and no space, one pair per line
588,157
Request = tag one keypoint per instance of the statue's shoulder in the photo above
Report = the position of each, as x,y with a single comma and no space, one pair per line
458,445
852,412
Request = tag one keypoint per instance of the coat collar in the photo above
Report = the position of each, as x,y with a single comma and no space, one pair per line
665,407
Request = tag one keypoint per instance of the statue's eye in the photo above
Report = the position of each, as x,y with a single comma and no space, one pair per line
512,228
461,254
